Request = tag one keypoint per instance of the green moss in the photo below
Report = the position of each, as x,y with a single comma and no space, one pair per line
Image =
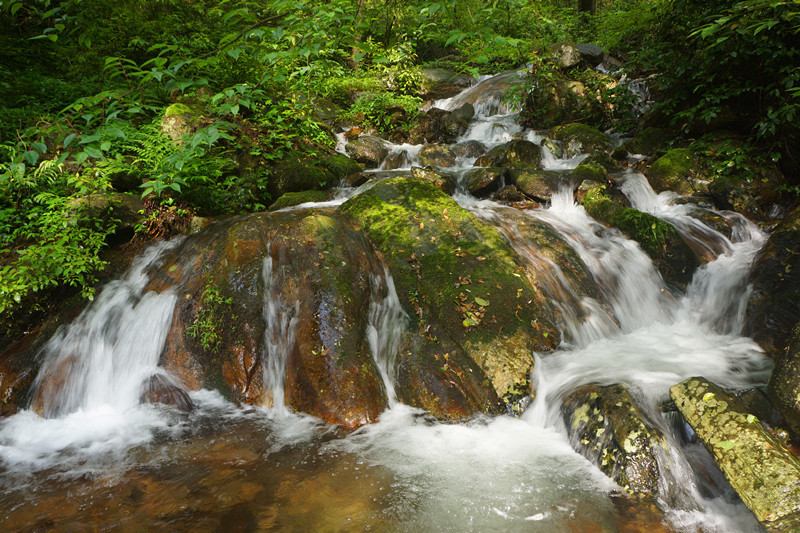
183,109
672,171
340,166
652,234
443,260
589,171
658,239
290,199
587,137
649,141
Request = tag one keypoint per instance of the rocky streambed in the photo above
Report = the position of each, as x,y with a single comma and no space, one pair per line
499,328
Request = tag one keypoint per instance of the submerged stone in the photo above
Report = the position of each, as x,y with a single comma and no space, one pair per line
455,276
764,474
605,426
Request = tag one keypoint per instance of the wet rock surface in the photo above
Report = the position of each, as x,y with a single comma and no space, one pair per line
784,383
764,474
605,425
773,309
449,269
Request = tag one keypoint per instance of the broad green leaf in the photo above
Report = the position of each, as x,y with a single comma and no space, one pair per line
469,321
69,139
32,157
726,444
481,301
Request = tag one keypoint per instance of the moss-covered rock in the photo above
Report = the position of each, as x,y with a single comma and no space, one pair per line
319,276
455,275
605,426
438,155
367,150
602,159
471,148
774,305
659,239
518,153
299,172
588,171
764,474
649,141
438,83
581,138
540,185
484,181
443,181
784,382
674,171
291,199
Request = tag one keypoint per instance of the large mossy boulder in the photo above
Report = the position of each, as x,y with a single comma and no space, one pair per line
437,155
540,185
674,171
518,153
649,141
581,138
784,383
439,83
658,239
314,275
299,172
605,426
471,350
764,474
774,305
368,150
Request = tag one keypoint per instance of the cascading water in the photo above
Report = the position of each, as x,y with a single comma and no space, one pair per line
237,467
388,323
279,336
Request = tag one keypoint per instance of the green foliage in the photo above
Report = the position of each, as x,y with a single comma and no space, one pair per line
48,236
742,68
206,327
379,111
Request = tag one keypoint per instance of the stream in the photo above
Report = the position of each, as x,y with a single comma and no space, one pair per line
104,462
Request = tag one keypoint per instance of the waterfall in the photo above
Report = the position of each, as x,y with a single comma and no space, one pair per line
388,323
279,336
106,355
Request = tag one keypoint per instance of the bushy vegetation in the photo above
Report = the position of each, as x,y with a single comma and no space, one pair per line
87,87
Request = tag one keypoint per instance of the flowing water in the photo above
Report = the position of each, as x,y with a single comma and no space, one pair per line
102,461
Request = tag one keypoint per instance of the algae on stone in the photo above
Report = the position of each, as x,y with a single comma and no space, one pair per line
606,426
446,265
764,474
659,239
